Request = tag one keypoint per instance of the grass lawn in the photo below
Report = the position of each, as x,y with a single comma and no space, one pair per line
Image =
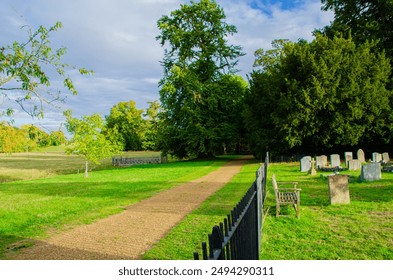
32,209
362,230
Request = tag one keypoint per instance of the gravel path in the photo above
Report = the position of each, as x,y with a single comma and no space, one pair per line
128,235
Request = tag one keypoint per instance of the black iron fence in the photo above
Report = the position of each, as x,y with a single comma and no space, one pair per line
239,236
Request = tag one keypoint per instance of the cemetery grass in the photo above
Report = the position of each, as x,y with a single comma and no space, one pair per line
362,230
35,209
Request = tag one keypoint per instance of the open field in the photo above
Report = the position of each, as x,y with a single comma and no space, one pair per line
33,209
48,162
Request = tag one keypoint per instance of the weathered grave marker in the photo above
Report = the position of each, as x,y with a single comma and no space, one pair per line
305,164
335,160
377,157
361,156
312,169
371,172
338,189
385,157
321,161
348,156
354,164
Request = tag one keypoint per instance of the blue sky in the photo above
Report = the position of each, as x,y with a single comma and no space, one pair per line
116,39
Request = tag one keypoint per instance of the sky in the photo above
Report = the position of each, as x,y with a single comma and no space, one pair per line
116,39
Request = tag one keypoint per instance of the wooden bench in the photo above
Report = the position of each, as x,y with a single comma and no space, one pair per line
286,196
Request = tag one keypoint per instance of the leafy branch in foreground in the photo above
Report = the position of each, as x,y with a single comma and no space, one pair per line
25,70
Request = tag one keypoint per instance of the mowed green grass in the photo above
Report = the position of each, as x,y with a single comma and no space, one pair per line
33,209
362,230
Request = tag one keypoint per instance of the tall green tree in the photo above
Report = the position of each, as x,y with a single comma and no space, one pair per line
365,20
23,69
152,126
197,56
88,140
318,95
127,121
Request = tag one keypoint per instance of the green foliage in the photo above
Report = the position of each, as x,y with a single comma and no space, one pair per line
126,122
37,135
152,126
22,70
365,20
88,140
14,140
197,59
57,138
318,95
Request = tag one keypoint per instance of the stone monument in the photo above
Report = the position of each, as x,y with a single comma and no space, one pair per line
338,189
335,160
361,156
371,172
305,164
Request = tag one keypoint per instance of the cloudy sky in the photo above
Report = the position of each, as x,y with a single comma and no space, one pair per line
116,39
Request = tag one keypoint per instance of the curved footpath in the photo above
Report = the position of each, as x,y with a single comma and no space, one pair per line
128,235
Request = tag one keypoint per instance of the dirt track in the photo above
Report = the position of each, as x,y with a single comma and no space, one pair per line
128,235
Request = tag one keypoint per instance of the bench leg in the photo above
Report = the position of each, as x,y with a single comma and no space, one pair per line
277,210
298,209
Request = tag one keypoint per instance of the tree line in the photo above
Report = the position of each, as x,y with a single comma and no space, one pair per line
334,91
27,138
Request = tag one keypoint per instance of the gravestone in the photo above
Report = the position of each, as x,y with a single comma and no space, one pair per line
335,160
338,189
371,172
361,156
377,157
385,157
348,156
321,161
305,164
312,169
354,164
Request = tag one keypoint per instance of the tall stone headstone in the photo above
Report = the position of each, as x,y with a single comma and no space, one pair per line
354,164
348,156
305,164
371,172
335,160
338,189
361,156
321,161
385,157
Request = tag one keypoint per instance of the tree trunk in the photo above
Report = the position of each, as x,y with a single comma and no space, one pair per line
86,169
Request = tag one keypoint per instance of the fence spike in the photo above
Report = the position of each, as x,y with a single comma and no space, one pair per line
204,250
226,227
